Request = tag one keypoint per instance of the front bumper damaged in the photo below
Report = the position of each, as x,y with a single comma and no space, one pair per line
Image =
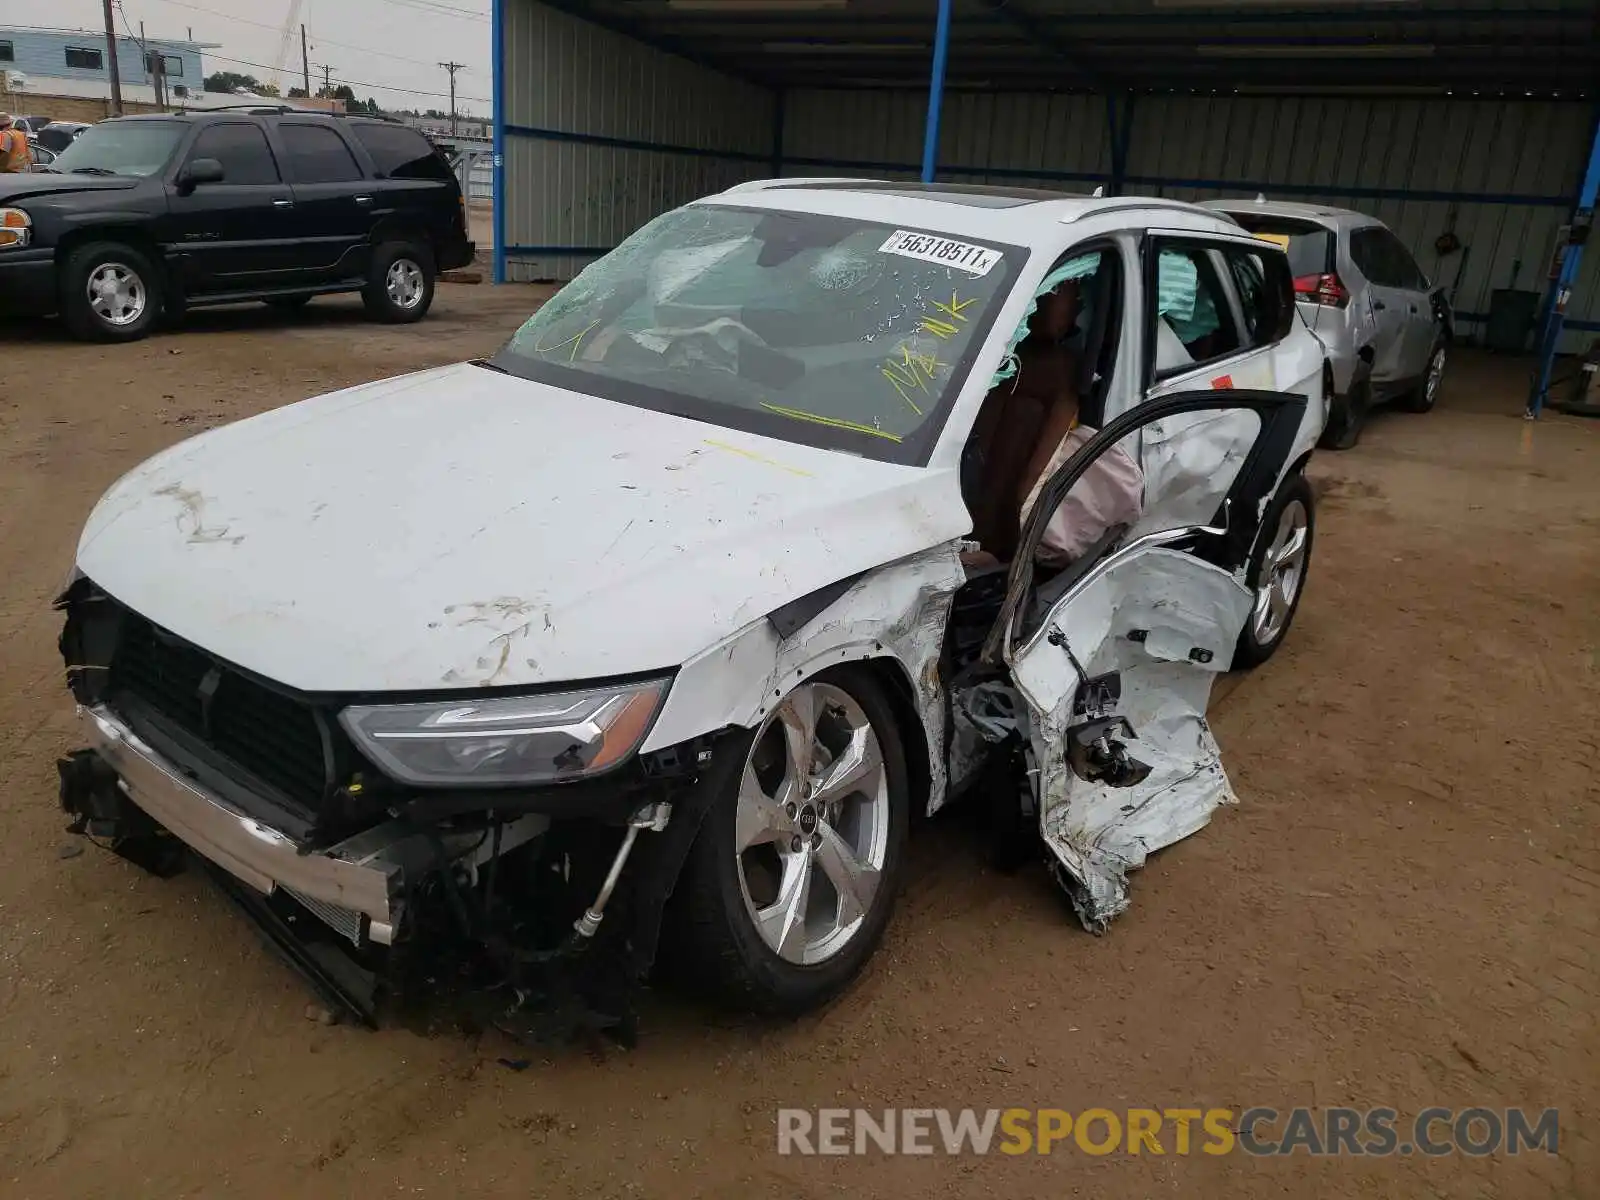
409,908
357,887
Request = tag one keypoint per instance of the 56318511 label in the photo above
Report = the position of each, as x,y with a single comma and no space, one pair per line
963,256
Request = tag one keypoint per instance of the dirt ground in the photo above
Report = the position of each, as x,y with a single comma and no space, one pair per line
1404,910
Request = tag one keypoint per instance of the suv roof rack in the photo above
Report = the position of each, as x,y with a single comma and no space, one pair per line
1116,203
278,110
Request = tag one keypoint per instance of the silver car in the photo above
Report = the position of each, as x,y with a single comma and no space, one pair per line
1387,330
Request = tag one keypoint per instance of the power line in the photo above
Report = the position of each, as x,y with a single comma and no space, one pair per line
416,62
354,83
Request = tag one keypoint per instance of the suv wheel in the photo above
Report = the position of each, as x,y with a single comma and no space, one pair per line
791,880
1278,569
110,292
1426,394
400,286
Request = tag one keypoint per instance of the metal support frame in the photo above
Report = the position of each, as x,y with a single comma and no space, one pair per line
497,31
779,101
941,55
1561,288
1119,121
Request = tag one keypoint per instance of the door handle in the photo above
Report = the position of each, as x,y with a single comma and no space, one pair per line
1378,306
1413,310
363,200
283,204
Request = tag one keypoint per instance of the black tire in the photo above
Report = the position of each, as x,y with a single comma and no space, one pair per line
288,303
1422,398
1348,418
1256,643
386,307
106,262
712,940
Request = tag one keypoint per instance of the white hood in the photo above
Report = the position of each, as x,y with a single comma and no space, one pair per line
460,527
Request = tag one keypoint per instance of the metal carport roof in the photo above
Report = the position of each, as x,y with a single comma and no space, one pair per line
1551,47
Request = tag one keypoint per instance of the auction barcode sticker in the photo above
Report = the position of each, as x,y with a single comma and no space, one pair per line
964,256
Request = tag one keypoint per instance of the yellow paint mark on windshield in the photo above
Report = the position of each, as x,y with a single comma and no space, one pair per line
575,341
911,373
760,458
945,320
831,422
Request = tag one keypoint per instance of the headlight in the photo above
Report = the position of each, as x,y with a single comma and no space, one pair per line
16,228
511,739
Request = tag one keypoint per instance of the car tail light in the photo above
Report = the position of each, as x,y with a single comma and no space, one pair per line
1326,290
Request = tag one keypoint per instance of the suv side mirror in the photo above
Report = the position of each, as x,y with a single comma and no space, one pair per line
201,170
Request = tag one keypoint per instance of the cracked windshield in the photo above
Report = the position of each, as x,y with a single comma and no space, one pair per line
824,330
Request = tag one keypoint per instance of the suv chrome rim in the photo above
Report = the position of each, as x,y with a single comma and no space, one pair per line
116,295
1282,572
812,826
1435,375
404,283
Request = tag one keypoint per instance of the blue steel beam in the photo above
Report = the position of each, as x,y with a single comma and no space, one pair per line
941,55
1561,289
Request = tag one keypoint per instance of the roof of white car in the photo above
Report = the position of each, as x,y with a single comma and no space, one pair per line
1324,214
1020,216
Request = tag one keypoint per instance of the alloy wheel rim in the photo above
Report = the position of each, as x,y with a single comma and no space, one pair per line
1282,573
404,283
116,294
811,834
1435,375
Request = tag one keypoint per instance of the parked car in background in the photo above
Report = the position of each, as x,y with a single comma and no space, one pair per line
144,216
680,602
1386,327
58,135
30,125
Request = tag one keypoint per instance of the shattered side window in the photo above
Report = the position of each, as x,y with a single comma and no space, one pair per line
819,329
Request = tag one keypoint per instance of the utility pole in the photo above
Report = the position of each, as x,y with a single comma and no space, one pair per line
305,63
327,85
452,67
111,53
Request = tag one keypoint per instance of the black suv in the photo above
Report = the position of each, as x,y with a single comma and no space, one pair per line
145,216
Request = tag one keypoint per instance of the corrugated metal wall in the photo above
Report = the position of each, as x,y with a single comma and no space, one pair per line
607,93
1501,174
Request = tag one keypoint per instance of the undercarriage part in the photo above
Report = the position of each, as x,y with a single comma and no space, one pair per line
93,796
346,986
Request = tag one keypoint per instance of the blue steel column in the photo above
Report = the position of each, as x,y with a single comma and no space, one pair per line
1556,310
941,52
497,31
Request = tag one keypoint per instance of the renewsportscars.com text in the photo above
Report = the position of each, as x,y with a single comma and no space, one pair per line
1261,1131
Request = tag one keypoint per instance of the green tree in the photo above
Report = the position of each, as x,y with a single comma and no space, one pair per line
227,81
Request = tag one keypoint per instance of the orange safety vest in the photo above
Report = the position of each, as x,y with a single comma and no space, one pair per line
14,152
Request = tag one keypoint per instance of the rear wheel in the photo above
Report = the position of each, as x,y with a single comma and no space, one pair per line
790,883
110,292
400,285
1278,569
1346,417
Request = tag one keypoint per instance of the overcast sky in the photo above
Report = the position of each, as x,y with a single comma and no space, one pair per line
384,48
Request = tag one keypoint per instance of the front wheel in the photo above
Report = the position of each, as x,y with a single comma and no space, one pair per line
110,292
400,285
790,883
1279,565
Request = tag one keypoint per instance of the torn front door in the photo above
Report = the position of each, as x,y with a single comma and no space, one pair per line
1115,657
